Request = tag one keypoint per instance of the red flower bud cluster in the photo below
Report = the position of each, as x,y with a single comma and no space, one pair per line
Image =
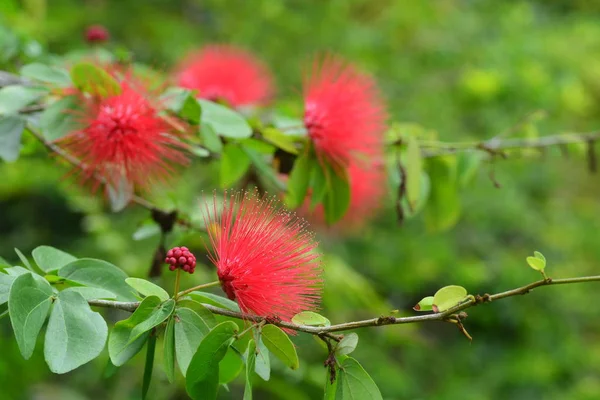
96,34
181,257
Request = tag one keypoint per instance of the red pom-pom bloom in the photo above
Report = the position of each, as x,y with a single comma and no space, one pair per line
343,112
124,140
181,257
265,257
96,34
345,118
221,72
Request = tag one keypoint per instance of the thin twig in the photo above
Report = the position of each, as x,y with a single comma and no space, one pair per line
380,321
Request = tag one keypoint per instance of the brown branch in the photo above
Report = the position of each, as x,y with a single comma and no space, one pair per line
380,321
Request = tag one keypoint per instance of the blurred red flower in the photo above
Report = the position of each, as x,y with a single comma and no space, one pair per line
96,34
123,140
265,256
223,72
345,118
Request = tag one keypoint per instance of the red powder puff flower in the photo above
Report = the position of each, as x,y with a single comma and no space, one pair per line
221,72
343,112
96,34
124,141
264,256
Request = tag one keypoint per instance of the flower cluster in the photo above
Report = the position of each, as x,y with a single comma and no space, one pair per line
265,256
181,257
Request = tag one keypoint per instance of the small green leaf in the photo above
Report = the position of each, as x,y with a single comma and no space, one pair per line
337,197
216,300
190,110
280,139
6,282
11,129
318,184
263,362
100,274
119,193
202,379
250,365
330,387
234,164
280,345
355,383
47,74
425,304
24,260
536,263
91,79
448,297
146,231
15,97
149,365
190,329
147,288
169,350
347,344
539,255
51,259
297,185
310,318
210,139
468,166
414,166
58,119
75,334
443,207
230,366
29,302
224,121
128,336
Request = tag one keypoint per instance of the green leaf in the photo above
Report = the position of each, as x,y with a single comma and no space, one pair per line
29,302
190,329
202,379
230,366
91,79
337,197
203,312
24,260
297,185
47,74
91,293
169,350
536,263
448,297
263,362
330,387
100,274
280,345
58,119
146,231
443,208
75,334
119,194
234,164
410,212
347,344
318,184
6,282
147,288
468,166
128,336
354,382
539,255
310,318
210,139
149,365
425,304
15,97
51,259
224,121
250,365
190,110
11,129
414,166
216,300
280,139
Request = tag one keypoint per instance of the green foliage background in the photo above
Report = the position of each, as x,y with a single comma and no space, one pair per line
466,69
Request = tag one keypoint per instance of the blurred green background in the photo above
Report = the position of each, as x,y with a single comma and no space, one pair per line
466,69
